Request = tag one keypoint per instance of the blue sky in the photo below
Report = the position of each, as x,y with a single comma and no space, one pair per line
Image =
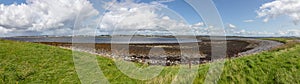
8,2
234,12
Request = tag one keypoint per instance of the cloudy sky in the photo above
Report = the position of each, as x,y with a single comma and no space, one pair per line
69,17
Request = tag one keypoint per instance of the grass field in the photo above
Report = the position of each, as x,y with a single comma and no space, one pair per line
22,62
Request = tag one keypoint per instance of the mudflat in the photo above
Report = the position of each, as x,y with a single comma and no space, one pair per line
172,52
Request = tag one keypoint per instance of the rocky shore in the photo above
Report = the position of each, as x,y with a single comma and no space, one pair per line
171,54
263,45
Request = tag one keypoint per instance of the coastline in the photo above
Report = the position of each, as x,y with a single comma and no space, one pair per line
260,46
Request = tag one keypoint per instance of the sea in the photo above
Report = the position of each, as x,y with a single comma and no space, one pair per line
144,40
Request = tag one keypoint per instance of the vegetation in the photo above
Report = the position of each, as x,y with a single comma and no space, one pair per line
282,40
22,62
35,63
288,42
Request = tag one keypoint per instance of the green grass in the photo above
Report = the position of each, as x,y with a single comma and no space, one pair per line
35,63
282,40
22,62
268,67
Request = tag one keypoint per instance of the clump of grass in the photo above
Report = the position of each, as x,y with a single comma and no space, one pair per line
22,62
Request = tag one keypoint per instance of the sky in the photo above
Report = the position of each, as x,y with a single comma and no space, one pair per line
70,17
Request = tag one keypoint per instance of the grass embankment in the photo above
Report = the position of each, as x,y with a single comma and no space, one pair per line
282,40
36,63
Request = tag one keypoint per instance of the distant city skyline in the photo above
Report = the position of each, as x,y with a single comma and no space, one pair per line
57,17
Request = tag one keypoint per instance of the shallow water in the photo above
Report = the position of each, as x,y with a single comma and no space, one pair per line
105,40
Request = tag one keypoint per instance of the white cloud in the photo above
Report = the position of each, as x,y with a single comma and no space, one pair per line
45,16
290,32
231,26
166,18
57,17
290,8
165,1
242,32
231,29
248,21
4,30
131,16
200,24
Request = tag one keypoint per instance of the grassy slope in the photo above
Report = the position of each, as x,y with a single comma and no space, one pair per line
36,63
282,40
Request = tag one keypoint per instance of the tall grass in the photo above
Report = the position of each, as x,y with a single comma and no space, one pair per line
22,62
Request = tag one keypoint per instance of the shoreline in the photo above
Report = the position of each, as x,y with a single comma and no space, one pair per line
258,46
264,45
172,52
